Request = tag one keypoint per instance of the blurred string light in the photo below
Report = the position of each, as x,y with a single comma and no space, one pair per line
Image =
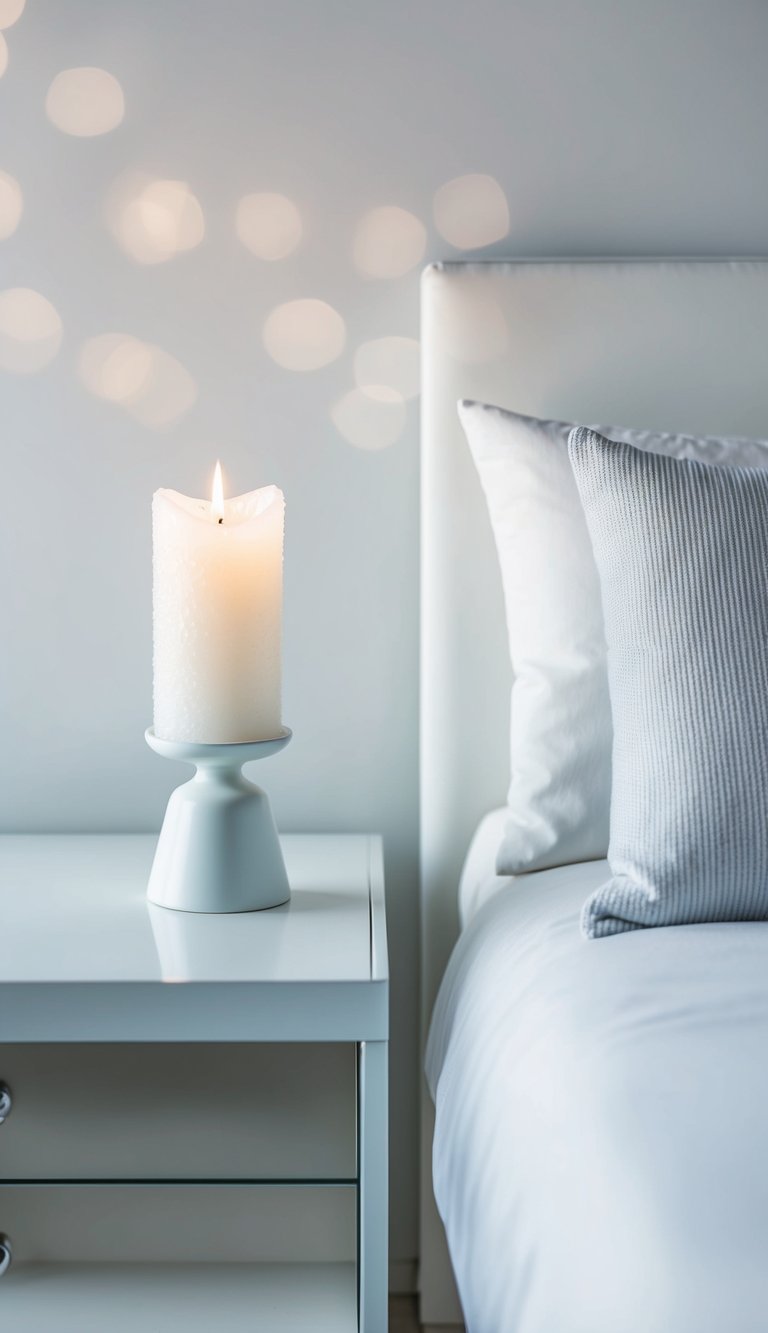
85,102
30,331
388,242
154,220
146,381
10,11
115,366
304,335
370,418
392,362
269,225
11,205
471,212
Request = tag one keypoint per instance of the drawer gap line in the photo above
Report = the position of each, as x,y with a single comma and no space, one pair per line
239,1181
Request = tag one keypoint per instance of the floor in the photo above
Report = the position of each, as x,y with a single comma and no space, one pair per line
402,1315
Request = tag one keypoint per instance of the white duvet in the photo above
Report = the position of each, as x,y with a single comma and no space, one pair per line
601,1149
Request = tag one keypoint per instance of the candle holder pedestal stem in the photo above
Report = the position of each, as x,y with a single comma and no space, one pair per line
218,849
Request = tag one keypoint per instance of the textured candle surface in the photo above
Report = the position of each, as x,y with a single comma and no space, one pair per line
217,617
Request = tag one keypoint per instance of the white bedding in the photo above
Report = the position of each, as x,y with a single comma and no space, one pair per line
479,880
600,1155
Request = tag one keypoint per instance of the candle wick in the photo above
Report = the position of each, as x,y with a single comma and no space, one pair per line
221,520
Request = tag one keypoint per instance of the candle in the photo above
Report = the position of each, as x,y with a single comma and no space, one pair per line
217,615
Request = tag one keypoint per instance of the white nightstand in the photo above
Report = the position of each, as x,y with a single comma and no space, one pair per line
203,1099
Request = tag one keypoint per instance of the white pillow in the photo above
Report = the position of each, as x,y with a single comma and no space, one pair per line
561,733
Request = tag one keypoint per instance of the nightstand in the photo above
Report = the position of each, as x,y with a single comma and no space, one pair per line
196,1107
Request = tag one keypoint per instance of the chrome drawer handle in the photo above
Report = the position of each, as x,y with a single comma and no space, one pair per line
6,1102
6,1254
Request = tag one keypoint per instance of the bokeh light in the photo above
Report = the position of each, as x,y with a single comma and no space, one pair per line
11,204
3,55
269,225
471,212
304,335
168,393
154,220
115,366
389,242
85,102
30,331
370,418
10,11
393,362
145,380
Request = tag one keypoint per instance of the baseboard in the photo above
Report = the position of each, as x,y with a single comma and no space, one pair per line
402,1277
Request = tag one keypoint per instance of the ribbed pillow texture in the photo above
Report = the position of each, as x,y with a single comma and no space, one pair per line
561,731
681,549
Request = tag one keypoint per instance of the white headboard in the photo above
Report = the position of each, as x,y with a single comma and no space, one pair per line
673,345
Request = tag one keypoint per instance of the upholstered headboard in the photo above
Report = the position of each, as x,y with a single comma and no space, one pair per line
674,345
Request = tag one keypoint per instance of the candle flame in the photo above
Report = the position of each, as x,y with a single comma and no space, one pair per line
217,495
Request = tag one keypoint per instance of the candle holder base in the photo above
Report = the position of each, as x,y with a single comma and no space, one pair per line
218,849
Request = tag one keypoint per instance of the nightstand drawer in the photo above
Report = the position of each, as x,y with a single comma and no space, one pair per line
139,1112
178,1223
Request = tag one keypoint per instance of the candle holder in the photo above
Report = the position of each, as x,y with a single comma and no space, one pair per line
218,849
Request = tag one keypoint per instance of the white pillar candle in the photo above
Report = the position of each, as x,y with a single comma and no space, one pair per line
217,615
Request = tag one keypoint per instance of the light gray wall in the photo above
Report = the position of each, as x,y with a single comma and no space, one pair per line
613,128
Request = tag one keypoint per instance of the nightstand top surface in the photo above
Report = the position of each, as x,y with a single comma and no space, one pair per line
74,920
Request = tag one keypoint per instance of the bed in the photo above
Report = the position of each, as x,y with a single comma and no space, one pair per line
597,1156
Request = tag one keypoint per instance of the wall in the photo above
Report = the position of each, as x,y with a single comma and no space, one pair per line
606,128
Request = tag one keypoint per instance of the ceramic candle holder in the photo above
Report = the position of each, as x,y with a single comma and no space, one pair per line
218,849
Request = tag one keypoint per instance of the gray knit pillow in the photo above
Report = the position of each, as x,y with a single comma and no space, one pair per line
682,552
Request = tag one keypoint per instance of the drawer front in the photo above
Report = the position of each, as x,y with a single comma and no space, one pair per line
179,1298
178,1223
217,1112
